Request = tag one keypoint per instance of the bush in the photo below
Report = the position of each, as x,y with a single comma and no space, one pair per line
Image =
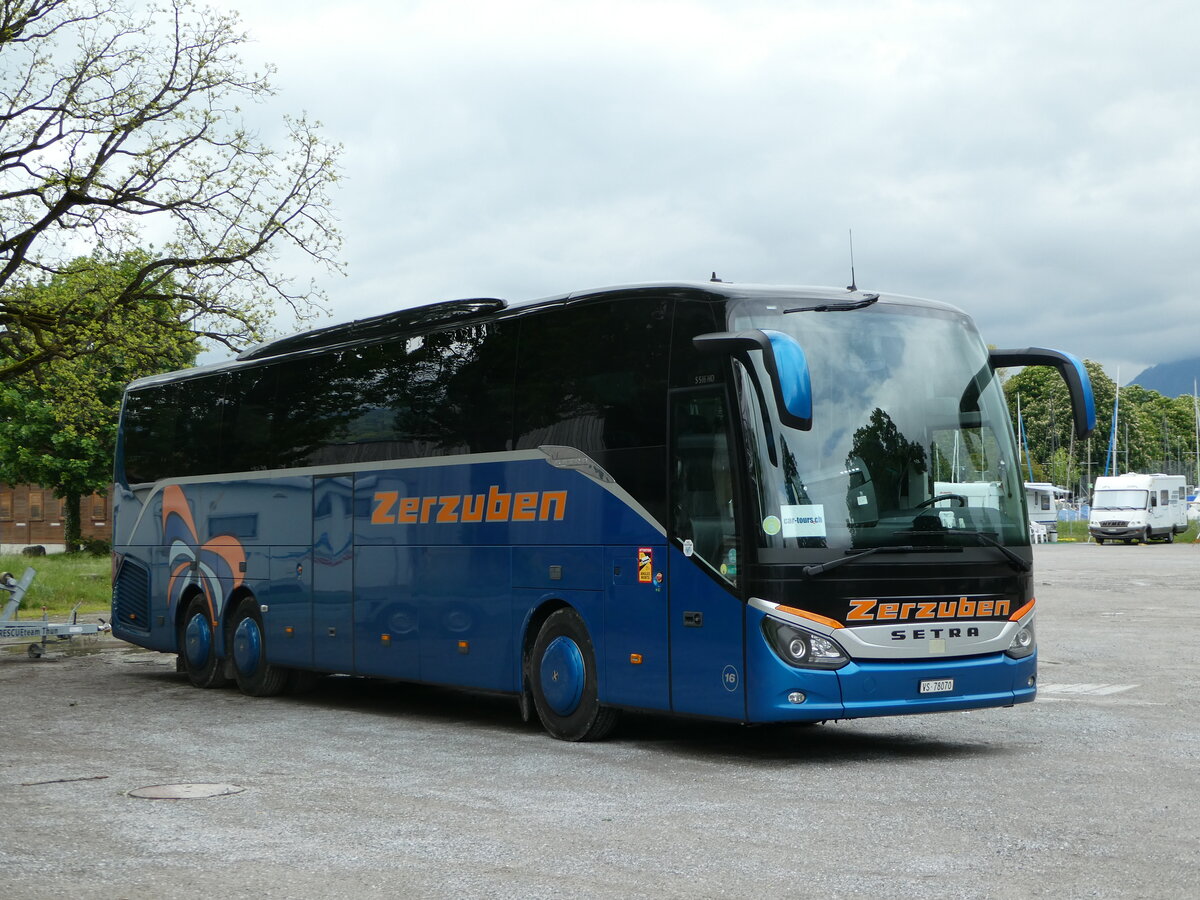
96,547
35,550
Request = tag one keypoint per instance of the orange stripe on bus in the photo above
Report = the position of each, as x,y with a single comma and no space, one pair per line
813,617
1023,611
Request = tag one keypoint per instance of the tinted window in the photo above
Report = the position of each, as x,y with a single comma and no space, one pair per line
594,377
149,433
247,420
689,368
455,390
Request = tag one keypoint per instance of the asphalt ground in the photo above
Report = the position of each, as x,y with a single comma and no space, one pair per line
370,789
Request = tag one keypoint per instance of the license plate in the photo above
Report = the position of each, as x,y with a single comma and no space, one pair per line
938,686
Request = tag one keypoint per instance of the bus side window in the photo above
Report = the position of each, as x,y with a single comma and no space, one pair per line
702,507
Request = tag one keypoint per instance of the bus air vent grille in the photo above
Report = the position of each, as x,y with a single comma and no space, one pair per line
131,596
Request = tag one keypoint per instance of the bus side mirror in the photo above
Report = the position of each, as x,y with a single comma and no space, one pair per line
786,366
1079,385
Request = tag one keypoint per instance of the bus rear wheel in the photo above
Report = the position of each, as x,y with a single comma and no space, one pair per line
562,675
197,647
255,676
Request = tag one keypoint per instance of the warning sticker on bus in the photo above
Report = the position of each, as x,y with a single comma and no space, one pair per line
645,565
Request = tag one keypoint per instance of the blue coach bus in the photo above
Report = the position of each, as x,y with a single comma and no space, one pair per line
755,504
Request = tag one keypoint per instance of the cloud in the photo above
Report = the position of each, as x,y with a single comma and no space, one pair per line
1035,164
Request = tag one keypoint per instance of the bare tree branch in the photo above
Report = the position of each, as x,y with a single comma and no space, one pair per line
138,130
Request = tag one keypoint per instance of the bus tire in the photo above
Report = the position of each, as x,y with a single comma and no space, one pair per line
1148,536
562,676
197,646
255,676
1100,541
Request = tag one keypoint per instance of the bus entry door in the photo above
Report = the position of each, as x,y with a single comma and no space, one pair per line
333,573
706,615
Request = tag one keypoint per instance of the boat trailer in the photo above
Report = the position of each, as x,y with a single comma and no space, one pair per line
44,630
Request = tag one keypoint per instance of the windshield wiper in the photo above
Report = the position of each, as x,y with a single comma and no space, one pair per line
821,568
1018,561
867,300
987,540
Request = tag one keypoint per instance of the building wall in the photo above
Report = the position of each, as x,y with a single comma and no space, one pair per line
32,515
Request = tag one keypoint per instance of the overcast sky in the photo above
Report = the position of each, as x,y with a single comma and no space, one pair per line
1034,163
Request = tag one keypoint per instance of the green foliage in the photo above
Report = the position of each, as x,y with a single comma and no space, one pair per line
117,117
1155,433
1078,531
58,422
96,547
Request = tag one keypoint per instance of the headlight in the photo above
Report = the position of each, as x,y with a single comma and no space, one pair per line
801,648
1023,643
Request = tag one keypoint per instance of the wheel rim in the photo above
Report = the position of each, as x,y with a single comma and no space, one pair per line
562,675
247,646
198,641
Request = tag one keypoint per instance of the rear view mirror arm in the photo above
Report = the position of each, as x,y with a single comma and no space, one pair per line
1079,385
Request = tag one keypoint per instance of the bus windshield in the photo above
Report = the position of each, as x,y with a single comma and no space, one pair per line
910,442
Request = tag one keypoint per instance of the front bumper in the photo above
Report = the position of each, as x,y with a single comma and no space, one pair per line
1118,533
865,688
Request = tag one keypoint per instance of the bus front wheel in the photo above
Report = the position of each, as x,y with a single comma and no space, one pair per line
255,676
562,675
197,649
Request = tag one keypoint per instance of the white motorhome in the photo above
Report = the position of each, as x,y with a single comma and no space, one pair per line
1042,499
1135,507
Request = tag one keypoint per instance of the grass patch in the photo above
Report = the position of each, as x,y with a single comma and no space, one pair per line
1077,531
62,580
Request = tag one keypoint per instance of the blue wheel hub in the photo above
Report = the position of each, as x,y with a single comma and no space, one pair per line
247,646
562,675
197,641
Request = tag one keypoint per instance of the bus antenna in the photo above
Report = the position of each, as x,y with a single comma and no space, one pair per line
853,285
716,279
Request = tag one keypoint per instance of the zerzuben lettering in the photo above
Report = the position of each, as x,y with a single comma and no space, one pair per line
925,610
494,506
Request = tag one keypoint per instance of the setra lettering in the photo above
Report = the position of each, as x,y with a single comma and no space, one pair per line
920,634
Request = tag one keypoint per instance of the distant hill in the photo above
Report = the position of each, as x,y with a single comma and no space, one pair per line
1171,379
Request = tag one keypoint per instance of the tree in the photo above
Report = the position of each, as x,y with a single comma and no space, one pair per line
1054,452
118,122
58,422
889,456
1154,433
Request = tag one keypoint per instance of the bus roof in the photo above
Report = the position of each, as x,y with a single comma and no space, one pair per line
421,319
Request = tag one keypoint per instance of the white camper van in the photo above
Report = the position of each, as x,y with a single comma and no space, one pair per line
1138,508
1042,498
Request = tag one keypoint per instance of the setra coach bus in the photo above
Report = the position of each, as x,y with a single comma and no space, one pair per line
748,503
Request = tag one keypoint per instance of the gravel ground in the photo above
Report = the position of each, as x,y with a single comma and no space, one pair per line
370,789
